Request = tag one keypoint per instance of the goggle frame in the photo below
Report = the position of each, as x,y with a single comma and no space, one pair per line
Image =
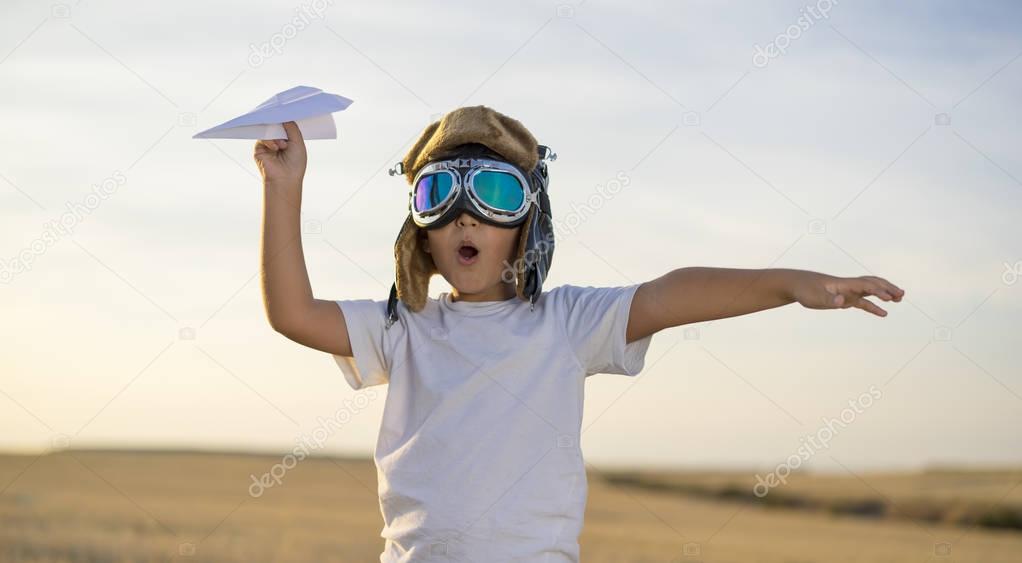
462,172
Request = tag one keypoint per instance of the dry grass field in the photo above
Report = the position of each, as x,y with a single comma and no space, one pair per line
82,506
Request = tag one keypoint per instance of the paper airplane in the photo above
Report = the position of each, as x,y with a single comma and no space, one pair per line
308,107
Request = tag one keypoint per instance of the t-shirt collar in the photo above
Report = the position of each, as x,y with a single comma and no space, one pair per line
476,307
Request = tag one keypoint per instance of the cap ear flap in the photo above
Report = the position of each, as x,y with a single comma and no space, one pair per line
414,266
519,264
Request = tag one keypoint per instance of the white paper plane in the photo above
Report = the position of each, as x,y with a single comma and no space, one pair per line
310,108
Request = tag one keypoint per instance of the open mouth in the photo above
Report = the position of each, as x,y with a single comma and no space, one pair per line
467,253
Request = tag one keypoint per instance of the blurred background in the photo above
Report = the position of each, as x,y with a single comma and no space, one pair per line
141,387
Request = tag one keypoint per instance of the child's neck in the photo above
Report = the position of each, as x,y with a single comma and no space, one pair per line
499,292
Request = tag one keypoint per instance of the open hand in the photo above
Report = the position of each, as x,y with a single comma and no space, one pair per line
282,162
820,291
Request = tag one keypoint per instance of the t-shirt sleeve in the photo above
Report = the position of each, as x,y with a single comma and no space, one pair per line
596,322
369,363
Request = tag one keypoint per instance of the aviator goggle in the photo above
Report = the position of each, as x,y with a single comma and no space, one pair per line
494,191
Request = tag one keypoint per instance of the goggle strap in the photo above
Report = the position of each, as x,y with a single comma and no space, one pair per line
462,163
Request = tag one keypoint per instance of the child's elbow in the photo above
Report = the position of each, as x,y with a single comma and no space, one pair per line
279,323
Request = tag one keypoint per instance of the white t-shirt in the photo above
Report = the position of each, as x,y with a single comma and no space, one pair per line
478,455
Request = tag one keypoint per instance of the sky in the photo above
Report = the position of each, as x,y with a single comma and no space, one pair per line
850,139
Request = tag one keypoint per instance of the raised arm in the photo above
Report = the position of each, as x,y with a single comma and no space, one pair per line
287,294
697,294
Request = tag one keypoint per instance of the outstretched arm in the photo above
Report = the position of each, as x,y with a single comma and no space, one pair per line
697,294
287,295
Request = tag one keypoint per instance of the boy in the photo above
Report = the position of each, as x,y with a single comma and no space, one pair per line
478,453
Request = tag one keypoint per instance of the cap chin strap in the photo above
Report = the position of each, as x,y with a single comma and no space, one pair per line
392,305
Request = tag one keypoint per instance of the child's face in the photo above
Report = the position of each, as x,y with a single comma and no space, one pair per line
478,275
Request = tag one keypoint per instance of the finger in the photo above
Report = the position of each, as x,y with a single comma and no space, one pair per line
293,133
869,306
896,292
880,291
264,152
869,285
281,144
263,146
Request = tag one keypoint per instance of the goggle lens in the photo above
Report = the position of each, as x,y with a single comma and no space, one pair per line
499,190
431,190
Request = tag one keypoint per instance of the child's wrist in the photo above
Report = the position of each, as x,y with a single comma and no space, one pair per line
789,281
287,191
289,184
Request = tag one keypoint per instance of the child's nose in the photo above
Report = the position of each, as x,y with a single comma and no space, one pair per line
466,219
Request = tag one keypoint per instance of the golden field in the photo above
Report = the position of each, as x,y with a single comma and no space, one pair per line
100,506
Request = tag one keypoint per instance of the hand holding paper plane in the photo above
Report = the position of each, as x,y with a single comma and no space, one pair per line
310,108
